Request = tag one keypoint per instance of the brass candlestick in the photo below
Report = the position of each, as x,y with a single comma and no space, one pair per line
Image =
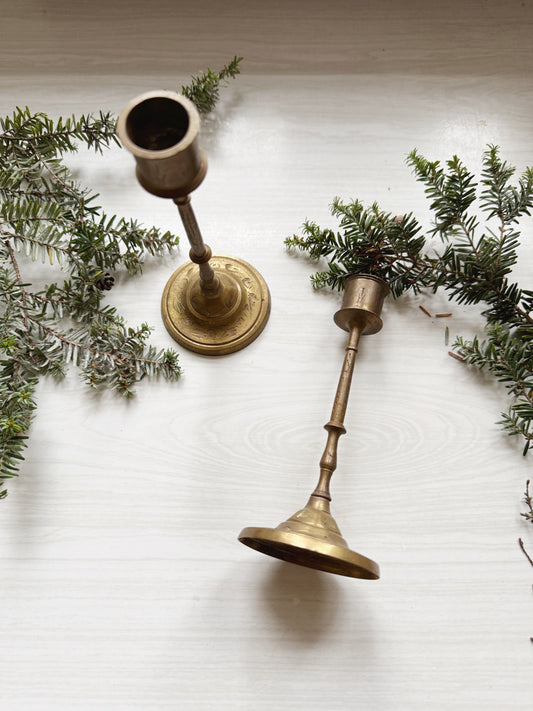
311,537
213,304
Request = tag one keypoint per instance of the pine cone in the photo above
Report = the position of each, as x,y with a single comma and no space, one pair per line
106,282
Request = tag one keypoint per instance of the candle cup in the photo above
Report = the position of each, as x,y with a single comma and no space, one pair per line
213,305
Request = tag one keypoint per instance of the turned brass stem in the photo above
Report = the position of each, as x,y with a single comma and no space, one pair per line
335,427
200,253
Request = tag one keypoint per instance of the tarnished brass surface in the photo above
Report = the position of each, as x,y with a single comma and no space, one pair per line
362,303
219,324
311,536
210,306
160,129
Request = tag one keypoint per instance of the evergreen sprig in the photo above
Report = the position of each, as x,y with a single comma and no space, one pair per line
204,89
46,215
473,266
528,500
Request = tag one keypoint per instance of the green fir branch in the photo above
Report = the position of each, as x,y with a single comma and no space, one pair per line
46,216
474,265
204,88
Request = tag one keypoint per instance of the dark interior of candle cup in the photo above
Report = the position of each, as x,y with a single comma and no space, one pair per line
157,123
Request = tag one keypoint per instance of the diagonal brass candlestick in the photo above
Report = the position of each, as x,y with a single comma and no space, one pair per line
212,305
311,537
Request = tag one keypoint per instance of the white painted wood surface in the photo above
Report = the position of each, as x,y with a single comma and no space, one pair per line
122,583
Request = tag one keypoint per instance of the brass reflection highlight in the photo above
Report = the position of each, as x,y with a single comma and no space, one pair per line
311,536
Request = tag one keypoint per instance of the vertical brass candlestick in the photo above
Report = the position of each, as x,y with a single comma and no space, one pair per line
311,537
213,304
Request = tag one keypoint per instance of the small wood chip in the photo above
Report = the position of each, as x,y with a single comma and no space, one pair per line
442,315
446,336
457,357
425,311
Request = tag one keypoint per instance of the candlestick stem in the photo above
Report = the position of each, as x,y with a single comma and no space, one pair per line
200,252
335,427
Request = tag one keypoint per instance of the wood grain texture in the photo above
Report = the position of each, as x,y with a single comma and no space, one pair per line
282,36
122,584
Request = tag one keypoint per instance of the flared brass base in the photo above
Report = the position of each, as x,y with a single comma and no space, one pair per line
221,324
311,538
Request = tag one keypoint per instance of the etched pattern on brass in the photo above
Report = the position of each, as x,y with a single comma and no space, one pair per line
204,333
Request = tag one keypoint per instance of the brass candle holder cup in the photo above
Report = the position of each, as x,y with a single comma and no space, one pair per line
212,305
311,537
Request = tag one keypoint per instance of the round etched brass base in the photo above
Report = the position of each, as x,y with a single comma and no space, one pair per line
310,552
216,325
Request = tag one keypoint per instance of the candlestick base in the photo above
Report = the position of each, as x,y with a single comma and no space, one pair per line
219,324
311,538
